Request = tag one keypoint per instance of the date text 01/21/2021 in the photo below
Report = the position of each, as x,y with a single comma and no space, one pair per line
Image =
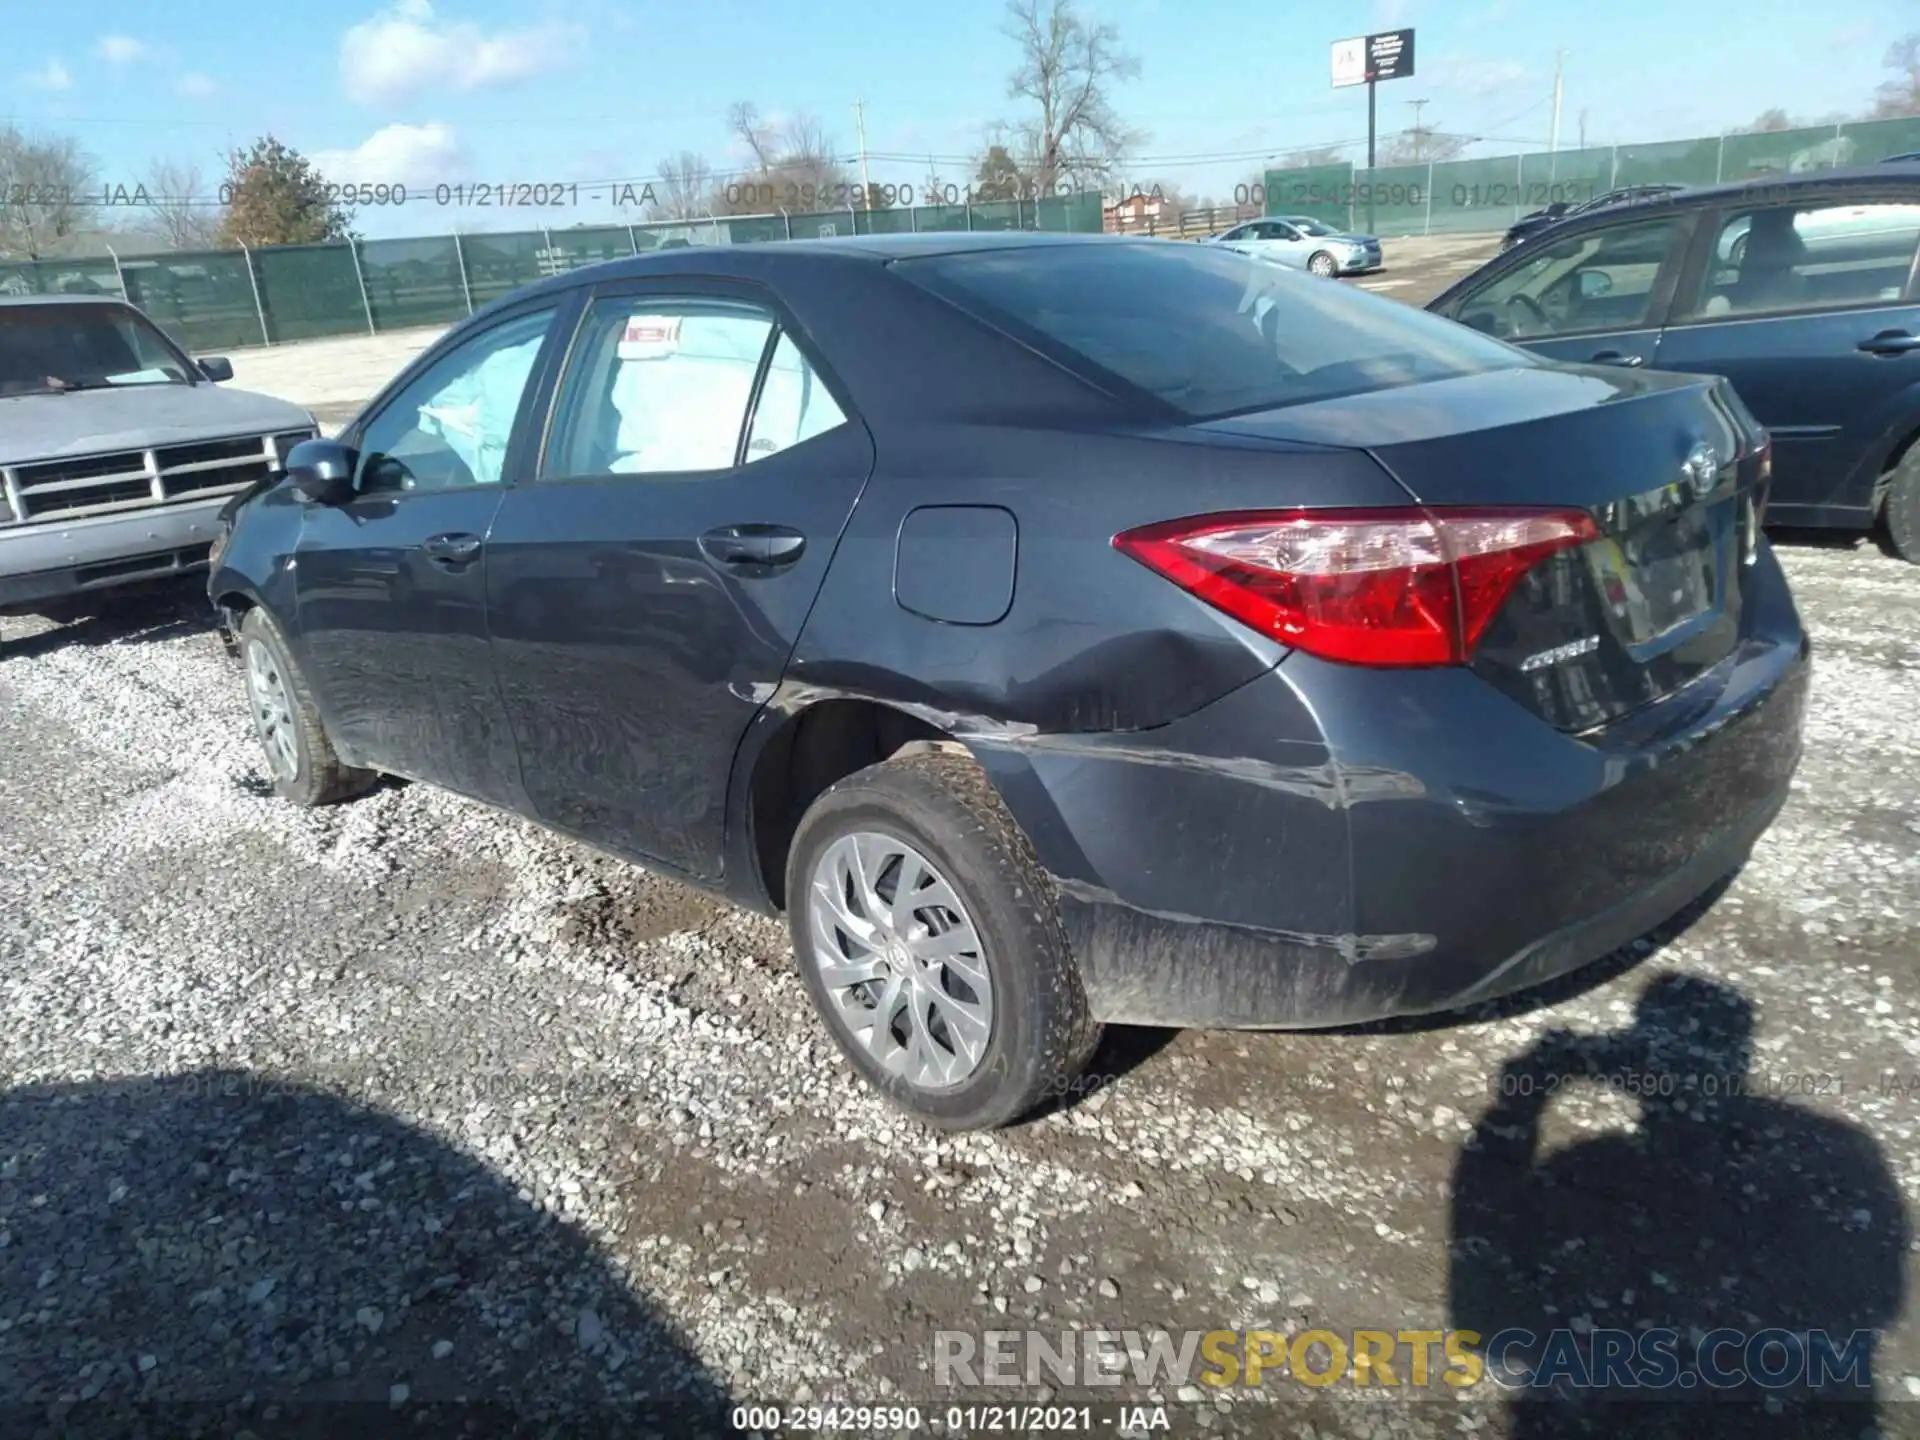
969,1419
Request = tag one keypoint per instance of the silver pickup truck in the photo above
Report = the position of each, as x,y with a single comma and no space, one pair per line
117,450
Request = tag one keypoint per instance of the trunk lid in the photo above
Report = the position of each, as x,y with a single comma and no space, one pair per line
1670,467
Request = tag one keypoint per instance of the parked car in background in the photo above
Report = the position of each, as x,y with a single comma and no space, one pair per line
116,450
1059,629
1528,226
1801,290
1303,243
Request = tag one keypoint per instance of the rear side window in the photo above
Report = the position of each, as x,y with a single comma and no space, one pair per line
1208,331
1809,257
657,386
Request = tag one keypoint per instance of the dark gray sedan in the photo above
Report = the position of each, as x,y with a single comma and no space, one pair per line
1058,629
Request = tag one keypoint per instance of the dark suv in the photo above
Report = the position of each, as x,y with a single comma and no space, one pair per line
1802,290
1528,227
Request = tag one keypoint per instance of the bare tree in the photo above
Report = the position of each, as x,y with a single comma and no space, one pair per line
1310,155
1422,145
743,119
47,193
184,214
1765,123
1901,94
686,188
793,166
1072,136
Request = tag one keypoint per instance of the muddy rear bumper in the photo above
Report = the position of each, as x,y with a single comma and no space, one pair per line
1329,845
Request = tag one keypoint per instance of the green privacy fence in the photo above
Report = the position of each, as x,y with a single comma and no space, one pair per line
1472,196
220,299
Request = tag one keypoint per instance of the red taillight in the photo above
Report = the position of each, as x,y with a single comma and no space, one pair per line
1370,587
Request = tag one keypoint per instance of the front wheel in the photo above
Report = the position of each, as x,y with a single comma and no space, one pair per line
929,940
300,759
1321,264
1900,512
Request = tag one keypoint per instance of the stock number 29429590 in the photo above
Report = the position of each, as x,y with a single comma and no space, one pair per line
845,1419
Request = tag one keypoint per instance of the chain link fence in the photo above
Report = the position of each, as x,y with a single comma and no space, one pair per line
222,299
1484,196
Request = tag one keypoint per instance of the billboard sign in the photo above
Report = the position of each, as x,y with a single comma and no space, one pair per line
1385,56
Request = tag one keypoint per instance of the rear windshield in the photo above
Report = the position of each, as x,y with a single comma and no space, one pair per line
1208,331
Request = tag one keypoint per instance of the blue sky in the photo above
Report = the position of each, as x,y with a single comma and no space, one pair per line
426,91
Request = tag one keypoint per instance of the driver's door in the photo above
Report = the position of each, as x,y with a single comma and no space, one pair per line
1598,296
390,584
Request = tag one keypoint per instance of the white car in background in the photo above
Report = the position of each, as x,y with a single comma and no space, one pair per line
1303,243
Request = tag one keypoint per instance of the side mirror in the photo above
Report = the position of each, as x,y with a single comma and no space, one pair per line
322,470
216,367
1593,284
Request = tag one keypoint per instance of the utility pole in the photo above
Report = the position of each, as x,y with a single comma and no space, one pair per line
1559,59
1419,133
1583,127
860,124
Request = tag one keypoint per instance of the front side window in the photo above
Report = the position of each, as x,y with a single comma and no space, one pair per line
1208,331
1597,280
1809,257
82,347
661,386
452,424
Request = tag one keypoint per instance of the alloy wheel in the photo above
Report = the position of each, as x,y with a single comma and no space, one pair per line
272,711
899,958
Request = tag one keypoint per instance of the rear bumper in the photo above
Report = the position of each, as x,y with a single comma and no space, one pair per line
1329,845
50,561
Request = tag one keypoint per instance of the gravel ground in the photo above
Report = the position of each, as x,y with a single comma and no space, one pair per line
406,1101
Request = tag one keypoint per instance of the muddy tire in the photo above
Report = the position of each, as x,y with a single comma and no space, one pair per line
1900,511
917,907
299,758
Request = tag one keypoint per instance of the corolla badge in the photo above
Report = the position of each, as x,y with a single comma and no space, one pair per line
1700,470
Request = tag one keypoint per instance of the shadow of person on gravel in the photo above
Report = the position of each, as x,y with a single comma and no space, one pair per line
222,1251
1717,1270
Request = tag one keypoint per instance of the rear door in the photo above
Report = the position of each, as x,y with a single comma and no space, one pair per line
645,593
1810,308
1595,296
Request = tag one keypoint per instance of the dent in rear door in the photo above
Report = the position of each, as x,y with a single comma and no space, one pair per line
642,615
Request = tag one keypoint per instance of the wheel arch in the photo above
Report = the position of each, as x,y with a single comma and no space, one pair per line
812,743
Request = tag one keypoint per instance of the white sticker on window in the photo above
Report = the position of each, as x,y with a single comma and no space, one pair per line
650,337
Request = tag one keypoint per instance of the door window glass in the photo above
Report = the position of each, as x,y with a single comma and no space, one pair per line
793,404
659,386
1598,280
451,425
1809,257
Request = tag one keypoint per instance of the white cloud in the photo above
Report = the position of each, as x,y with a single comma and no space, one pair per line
417,156
121,49
1391,14
1472,75
50,76
1494,14
194,86
408,48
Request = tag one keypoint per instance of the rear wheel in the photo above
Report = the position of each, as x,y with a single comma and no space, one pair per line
1321,263
929,940
1900,512
300,758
